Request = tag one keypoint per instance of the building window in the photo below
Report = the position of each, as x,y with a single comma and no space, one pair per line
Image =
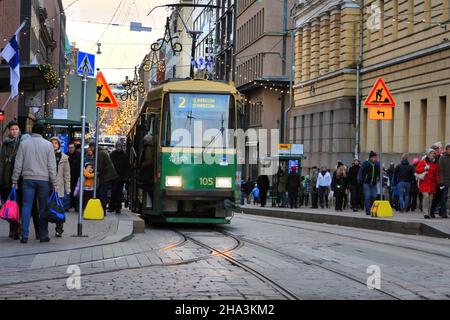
442,118
294,130
423,125
330,148
406,119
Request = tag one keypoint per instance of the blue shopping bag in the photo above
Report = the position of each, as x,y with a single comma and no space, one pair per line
55,209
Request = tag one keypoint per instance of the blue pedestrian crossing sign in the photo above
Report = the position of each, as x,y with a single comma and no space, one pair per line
86,64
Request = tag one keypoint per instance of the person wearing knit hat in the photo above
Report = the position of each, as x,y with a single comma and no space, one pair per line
369,176
62,177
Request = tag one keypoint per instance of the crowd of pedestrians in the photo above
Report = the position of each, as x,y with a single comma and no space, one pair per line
37,168
418,184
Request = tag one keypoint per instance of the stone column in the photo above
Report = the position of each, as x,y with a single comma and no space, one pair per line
349,32
315,48
324,43
298,56
306,50
335,38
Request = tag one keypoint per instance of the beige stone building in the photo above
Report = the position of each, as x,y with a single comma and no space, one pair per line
405,42
411,51
326,55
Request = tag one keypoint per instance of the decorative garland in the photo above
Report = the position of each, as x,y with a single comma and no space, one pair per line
49,74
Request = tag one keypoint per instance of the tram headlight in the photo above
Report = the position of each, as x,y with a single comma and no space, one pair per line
174,182
223,183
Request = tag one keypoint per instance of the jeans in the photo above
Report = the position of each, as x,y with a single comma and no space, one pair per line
284,199
370,194
404,189
31,188
243,197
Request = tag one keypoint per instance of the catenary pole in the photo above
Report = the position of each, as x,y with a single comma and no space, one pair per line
83,141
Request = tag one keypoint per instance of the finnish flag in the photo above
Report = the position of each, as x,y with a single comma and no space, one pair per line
11,54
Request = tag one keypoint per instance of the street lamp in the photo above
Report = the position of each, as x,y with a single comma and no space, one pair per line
98,50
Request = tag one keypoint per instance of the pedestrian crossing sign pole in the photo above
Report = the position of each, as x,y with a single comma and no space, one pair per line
85,68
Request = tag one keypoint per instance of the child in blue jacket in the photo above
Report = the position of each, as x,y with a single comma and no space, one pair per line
255,194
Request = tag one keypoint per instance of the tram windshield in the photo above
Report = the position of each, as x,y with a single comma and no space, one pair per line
197,120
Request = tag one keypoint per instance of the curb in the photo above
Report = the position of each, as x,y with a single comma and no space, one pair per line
403,227
138,224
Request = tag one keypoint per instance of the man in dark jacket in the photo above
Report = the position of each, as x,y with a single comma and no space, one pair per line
75,163
369,175
121,164
444,171
314,191
263,185
356,188
403,177
293,182
105,175
7,157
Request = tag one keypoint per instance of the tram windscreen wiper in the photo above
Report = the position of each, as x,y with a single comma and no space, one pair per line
220,133
189,118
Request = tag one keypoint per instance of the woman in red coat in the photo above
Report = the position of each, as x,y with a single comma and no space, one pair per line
427,173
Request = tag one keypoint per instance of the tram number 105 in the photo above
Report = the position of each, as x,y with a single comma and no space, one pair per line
207,182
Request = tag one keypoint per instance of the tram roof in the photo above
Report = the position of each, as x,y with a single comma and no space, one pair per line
195,85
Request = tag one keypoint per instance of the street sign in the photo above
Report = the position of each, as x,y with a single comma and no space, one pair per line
86,64
376,113
284,148
380,96
105,98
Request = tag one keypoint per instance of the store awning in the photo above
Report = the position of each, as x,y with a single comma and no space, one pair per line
61,122
30,79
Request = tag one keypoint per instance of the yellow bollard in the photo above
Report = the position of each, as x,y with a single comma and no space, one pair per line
382,209
94,210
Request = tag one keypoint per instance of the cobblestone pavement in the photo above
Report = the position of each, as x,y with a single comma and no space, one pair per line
312,261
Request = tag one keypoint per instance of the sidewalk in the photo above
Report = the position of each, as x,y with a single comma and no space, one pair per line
114,228
406,223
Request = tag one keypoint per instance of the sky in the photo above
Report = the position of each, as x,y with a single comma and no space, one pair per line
122,49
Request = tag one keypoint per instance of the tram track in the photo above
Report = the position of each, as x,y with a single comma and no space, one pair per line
308,262
183,241
288,294
351,237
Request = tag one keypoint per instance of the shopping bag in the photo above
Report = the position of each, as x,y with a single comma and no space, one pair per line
55,209
10,210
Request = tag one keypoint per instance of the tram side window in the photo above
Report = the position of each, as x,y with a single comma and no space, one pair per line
166,134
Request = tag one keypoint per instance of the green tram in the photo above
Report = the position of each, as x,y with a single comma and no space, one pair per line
172,181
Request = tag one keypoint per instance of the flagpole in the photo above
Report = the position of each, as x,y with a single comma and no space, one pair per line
6,103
